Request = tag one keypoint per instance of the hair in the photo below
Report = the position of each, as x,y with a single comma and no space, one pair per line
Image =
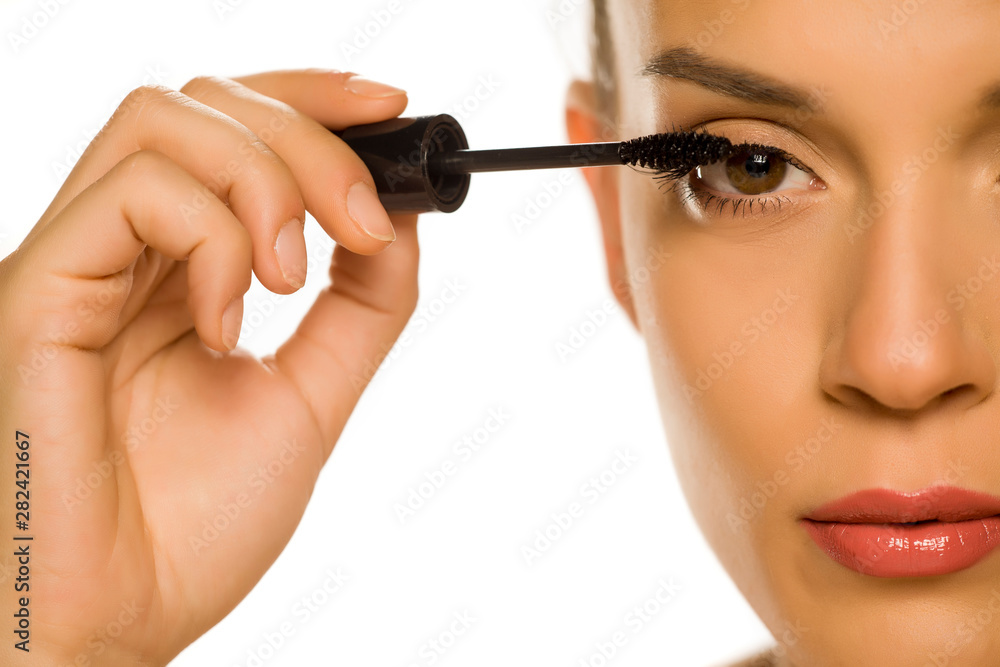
602,63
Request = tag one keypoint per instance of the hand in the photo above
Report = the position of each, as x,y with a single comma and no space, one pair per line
166,473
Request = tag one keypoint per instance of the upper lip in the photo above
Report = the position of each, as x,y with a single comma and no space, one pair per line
941,503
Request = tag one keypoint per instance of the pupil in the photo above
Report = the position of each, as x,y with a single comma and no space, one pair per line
757,165
755,172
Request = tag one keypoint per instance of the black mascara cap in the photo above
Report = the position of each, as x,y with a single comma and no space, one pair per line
397,153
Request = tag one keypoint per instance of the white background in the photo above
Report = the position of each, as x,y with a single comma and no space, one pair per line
524,290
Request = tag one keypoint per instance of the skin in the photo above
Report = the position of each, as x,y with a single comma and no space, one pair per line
180,195
903,419
902,423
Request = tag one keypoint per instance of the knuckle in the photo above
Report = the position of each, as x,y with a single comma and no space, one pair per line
201,84
255,146
140,101
143,164
142,96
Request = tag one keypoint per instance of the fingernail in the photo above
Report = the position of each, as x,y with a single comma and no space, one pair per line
359,85
290,249
366,210
232,322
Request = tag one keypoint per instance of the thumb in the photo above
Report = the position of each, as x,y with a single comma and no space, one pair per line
347,333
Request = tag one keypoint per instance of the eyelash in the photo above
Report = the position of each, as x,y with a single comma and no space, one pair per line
704,199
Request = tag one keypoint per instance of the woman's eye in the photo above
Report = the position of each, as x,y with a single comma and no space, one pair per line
752,170
752,180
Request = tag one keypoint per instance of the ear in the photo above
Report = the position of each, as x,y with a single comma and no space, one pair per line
584,125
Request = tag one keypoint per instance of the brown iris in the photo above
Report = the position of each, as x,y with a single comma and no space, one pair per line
753,171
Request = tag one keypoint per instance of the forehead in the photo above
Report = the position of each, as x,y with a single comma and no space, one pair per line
911,56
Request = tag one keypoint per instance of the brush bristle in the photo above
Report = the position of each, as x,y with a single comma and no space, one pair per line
674,154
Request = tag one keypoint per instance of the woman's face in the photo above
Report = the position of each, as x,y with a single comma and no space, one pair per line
845,341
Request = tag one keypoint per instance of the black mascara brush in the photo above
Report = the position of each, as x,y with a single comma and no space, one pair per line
423,164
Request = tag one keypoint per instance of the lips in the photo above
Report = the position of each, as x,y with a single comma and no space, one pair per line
886,533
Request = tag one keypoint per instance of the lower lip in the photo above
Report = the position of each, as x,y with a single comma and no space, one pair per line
907,550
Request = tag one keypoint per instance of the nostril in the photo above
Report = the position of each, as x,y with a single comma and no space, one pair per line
955,391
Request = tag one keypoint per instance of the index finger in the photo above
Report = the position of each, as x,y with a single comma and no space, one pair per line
332,98
336,185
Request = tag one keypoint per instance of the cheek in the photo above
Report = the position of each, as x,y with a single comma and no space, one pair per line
731,353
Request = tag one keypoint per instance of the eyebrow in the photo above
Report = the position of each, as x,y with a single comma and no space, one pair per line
683,62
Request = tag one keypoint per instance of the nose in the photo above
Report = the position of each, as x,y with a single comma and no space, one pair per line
912,328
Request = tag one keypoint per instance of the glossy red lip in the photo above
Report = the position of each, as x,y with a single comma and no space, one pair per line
943,503
886,533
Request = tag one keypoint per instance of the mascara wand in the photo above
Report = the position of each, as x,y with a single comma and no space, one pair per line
423,164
